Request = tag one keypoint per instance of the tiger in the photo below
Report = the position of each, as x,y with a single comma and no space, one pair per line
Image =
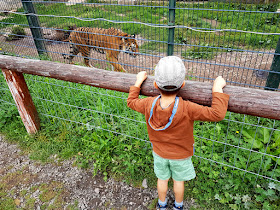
106,41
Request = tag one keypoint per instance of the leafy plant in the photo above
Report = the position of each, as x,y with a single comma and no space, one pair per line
16,33
93,1
203,51
267,7
263,139
8,115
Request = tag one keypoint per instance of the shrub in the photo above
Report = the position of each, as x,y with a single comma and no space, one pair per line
16,33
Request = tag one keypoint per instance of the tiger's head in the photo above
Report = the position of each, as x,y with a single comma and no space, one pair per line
130,45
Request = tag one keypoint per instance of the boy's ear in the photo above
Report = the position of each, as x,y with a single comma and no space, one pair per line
155,84
183,84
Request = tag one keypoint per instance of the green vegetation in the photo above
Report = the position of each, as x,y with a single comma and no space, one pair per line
203,51
95,126
6,202
52,192
227,186
16,33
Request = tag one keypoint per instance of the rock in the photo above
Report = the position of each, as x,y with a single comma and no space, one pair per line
128,2
74,2
97,190
144,183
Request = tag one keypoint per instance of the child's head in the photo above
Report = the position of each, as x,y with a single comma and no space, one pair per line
170,75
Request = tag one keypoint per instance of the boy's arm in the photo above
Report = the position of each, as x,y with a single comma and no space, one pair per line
218,109
133,101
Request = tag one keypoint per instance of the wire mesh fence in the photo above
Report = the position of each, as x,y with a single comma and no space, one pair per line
240,145
228,38
235,39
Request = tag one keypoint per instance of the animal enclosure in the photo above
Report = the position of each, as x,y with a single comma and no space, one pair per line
237,41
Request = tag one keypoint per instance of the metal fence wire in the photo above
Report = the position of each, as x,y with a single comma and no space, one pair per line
236,39
228,38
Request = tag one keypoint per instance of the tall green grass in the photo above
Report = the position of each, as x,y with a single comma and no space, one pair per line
96,128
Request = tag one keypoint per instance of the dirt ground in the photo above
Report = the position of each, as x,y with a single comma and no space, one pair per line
236,67
60,185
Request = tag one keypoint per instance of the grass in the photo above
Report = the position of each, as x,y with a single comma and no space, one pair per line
95,126
6,202
48,192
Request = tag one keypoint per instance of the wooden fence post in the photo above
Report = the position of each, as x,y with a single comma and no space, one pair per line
23,100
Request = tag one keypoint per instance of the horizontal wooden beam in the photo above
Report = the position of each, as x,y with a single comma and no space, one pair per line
249,101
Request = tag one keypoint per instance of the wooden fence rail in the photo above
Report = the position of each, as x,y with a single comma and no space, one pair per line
248,101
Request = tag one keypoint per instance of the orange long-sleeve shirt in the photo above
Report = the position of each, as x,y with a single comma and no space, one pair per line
176,142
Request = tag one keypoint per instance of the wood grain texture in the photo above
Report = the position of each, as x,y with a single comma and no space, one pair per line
23,100
249,101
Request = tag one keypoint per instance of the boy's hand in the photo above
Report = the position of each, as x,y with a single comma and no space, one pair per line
219,84
141,76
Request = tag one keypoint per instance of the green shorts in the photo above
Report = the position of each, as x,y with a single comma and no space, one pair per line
179,170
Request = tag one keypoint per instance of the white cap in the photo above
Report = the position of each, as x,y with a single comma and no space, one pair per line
170,71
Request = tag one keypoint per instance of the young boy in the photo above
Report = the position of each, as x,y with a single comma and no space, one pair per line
170,124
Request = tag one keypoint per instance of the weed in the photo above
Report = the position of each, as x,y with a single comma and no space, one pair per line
73,206
267,7
199,52
93,1
30,203
34,188
153,204
52,192
16,33
6,202
23,193
47,195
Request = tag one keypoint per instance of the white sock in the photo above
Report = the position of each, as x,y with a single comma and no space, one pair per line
162,203
178,204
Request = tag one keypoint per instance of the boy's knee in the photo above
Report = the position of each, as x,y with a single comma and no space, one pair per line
163,181
178,182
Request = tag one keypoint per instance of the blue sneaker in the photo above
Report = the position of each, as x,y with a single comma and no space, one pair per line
161,207
177,208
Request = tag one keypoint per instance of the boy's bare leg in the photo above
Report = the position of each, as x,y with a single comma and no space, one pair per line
178,188
162,187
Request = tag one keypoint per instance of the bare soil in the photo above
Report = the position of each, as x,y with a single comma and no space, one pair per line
239,68
60,185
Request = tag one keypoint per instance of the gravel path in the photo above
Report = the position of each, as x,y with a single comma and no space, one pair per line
60,185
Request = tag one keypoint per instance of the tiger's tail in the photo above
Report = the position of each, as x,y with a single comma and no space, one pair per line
72,53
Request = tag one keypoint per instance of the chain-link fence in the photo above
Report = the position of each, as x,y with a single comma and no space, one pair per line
239,41
228,38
